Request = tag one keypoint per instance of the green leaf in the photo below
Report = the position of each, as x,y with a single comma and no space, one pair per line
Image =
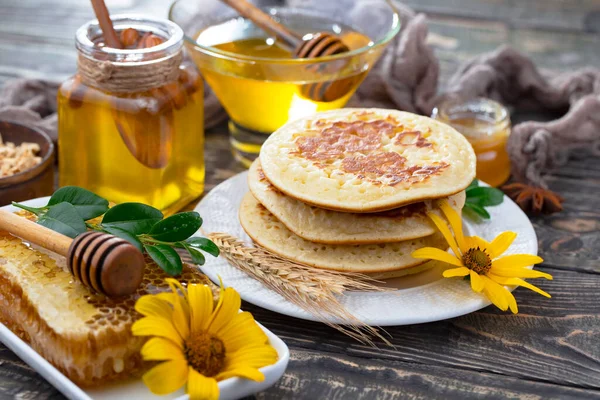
136,218
485,196
123,234
197,256
474,211
473,184
204,244
89,205
166,257
63,218
32,210
177,227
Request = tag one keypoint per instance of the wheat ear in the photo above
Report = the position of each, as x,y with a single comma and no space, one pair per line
313,290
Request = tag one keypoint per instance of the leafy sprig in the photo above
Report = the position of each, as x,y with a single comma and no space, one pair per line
479,197
71,209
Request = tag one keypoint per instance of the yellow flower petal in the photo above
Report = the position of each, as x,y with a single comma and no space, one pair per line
245,372
227,307
495,293
443,228
516,261
167,296
159,349
462,271
456,224
474,242
431,253
181,323
176,287
155,326
180,318
201,306
252,356
512,303
477,283
520,273
501,243
166,377
241,331
518,282
200,387
152,306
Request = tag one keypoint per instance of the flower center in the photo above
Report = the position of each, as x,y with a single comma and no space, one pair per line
205,353
477,260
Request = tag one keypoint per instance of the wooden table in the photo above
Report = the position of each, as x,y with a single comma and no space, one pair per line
551,349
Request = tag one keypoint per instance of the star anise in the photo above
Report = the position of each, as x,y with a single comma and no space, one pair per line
534,199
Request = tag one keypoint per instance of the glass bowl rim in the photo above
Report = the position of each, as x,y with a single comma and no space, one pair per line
227,55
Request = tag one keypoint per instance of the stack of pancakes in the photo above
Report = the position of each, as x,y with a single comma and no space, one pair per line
349,189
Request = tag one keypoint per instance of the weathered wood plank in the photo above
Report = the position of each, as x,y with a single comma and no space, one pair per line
571,239
19,381
487,354
550,340
578,15
326,375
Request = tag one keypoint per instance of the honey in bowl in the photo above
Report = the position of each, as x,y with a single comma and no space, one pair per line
260,83
273,102
486,124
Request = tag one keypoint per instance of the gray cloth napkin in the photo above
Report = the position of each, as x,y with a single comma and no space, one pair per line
512,79
30,102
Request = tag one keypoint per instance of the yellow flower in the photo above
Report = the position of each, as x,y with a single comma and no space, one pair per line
199,344
482,261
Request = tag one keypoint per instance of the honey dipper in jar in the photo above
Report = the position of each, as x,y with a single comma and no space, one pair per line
131,119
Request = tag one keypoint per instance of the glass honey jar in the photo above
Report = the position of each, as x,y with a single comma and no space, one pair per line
130,121
486,124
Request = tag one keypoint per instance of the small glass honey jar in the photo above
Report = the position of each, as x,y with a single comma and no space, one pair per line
130,121
486,124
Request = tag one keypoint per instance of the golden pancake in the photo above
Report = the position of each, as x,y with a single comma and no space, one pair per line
269,232
324,226
366,160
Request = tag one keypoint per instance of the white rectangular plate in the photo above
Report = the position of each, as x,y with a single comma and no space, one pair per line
232,388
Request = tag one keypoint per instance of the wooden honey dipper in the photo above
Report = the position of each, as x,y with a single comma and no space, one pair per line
102,262
320,44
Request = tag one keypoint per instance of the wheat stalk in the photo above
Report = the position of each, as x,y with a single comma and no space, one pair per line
313,290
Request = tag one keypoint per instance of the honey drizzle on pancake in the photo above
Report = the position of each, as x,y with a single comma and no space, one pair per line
359,146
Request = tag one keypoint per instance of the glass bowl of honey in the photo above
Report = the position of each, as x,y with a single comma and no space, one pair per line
258,80
486,124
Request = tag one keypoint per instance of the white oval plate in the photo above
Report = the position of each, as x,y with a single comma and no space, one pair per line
419,298
229,389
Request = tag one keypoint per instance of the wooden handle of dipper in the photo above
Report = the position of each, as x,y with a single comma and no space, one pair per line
264,21
102,262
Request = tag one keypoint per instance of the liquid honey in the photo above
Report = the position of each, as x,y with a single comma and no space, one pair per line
260,96
489,143
130,148
273,103
486,125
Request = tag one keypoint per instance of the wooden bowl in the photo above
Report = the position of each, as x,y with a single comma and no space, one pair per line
37,181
